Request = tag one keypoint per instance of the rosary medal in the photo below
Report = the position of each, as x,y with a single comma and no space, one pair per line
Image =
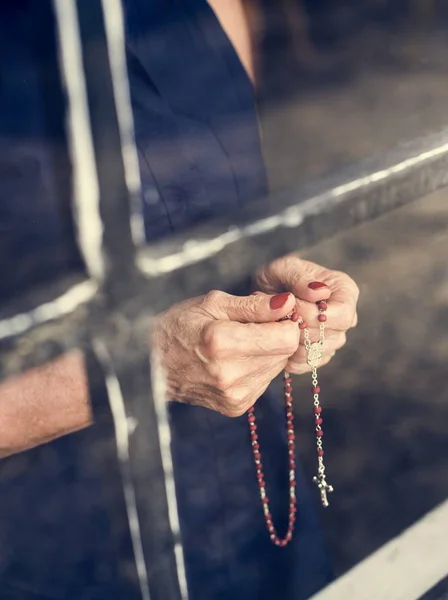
314,351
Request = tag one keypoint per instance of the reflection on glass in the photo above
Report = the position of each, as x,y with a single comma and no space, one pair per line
230,100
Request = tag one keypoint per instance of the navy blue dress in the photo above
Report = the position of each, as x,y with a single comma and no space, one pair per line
200,156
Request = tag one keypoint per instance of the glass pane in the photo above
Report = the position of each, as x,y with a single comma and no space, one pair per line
231,101
346,80
385,402
36,232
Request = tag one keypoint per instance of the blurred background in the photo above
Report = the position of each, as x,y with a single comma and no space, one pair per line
371,75
339,81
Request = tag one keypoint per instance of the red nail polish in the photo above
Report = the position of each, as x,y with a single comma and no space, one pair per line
317,285
279,301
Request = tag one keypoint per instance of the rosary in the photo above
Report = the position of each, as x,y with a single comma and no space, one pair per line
313,357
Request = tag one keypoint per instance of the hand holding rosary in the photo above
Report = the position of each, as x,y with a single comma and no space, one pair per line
313,357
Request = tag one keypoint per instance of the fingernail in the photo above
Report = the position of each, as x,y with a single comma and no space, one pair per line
317,285
279,301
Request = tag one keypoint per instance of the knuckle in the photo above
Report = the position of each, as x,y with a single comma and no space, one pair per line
238,398
248,306
234,411
342,275
213,298
348,282
294,278
211,339
346,318
236,404
341,341
221,379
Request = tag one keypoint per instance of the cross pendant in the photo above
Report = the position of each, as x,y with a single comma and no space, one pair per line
324,488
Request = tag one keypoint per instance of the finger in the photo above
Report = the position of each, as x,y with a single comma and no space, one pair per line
340,313
243,395
330,335
305,279
299,368
240,401
330,345
260,369
225,375
222,339
256,308
307,288
291,272
344,292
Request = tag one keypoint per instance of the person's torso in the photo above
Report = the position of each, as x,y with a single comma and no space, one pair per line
199,150
195,124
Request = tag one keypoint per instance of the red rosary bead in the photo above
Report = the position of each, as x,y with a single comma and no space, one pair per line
261,481
278,541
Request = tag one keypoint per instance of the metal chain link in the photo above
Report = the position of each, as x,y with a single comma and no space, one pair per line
314,351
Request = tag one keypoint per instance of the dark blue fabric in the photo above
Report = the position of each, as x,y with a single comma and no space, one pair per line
200,156
34,164
196,126
227,548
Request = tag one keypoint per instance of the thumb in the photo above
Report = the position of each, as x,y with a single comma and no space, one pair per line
304,279
257,308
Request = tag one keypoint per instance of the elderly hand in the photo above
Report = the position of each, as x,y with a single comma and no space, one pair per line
310,283
222,351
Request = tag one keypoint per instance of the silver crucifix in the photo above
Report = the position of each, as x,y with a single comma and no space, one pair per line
324,487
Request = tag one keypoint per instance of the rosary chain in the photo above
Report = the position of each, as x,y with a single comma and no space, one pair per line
314,354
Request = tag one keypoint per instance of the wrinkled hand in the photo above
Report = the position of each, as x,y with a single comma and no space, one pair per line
310,283
222,351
